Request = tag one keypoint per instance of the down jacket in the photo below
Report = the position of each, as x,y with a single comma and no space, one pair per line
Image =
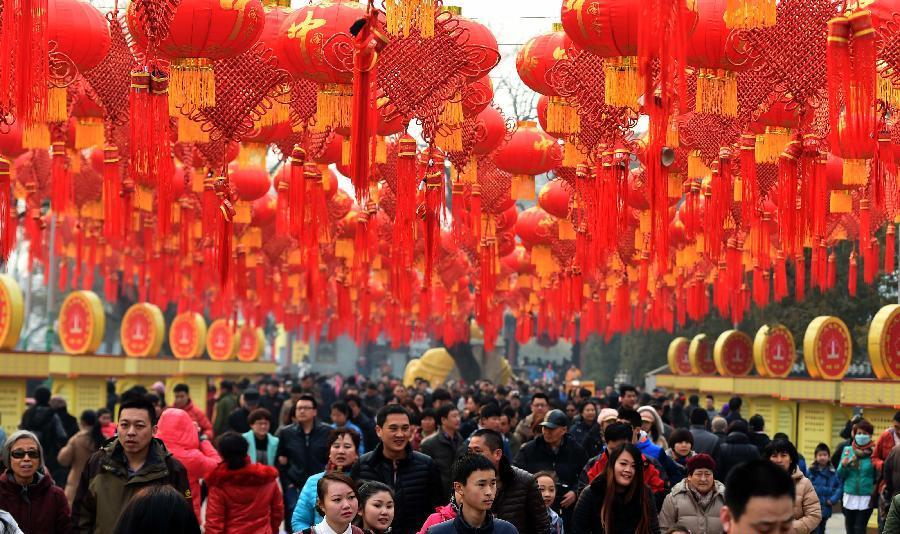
244,500
682,508
75,454
807,512
519,501
416,491
41,508
176,430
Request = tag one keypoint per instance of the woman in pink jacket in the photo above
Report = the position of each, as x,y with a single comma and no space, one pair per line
181,436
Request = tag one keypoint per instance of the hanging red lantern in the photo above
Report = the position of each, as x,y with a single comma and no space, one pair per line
507,218
718,59
536,227
774,129
275,14
310,39
263,211
529,152
202,31
555,198
608,28
88,123
250,183
332,153
637,190
80,31
535,58
11,142
473,33
477,96
492,128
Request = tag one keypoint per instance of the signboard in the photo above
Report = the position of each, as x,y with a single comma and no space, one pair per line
12,312
81,323
884,342
221,341
701,357
187,335
827,348
251,343
143,329
773,351
679,360
733,353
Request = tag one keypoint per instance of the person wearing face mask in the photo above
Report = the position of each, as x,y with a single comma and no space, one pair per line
343,444
27,493
338,503
617,501
376,508
857,469
243,496
807,511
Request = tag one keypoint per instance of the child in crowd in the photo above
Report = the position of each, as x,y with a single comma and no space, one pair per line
546,481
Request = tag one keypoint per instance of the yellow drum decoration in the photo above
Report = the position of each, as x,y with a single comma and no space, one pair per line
12,312
733,353
701,356
435,365
221,341
884,342
81,323
773,351
187,335
251,343
143,329
827,348
679,359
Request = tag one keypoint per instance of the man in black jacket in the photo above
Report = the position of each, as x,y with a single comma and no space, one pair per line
705,442
412,475
302,451
518,498
735,449
554,450
443,445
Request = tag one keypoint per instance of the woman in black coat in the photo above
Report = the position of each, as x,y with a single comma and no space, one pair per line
618,501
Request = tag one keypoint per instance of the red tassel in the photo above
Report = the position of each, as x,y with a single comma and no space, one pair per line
7,211
112,214
434,187
749,185
63,275
186,209
367,42
788,179
476,212
861,100
407,184
32,62
852,274
210,205
60,176
224,236
890,244
781,283
162,166
141,126
800,277
837,62
831,270
297,205
865,239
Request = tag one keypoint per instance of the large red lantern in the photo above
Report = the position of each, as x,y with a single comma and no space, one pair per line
270,37
608,28
79,30
535,58
554,198
202,31
250,182
263,211
473,33
490,123
717,58
530,151
311,38
536,227
11,142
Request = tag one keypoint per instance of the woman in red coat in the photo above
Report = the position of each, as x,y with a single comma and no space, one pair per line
28,493
243,497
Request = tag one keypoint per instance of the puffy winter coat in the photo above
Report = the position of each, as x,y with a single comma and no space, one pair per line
245,500
858,475
176,430
416,492
271,448
682,508
306,454
734,450
441,514
458,526
828,487
807,513
519,501
76,454
39,508
566,462
443,450
198,417
305,514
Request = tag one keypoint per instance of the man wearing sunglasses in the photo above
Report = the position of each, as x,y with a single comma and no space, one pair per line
116,472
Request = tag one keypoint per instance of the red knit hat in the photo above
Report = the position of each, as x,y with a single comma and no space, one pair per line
700,461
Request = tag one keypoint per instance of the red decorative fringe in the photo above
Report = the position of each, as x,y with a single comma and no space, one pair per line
62,185
7,211
890,244
852,274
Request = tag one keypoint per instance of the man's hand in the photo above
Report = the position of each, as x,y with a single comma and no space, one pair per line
568,499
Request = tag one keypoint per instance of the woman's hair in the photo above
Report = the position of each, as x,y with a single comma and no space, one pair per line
339,432
325,481
783,446
258,414
634,491
549,474
20,435
369,488
677,529
865,426
233,448
89,418
158,509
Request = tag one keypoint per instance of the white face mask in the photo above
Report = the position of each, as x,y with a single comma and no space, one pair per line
643,435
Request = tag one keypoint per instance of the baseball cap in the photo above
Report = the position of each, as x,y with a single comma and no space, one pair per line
555,419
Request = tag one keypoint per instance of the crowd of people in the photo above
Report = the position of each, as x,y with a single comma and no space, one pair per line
327,456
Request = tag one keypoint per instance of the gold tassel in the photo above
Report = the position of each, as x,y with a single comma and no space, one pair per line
333,106
345,151
470,172
193,82
566,230
57,110
88,132
452,111
856,172
771,144
252,154
840,202
749,14
622,82
738,191
404,15
696,167
380,149
524,186
675,185
281,109
717,93
451,142
672,139
562,116
191,131
887,91
36,135
571,155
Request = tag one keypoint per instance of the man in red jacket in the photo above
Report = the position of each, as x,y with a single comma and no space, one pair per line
183,402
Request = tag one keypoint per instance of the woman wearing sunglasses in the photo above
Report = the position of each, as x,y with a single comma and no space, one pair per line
26,490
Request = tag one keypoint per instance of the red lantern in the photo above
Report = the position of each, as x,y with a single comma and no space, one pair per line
555,198
11,142
718,59
200,32
310,39
271,34
538,55
608,28
507,218
263,211
491,123
476,34
477,96
79,30
250,183
637,190
536,227
530,151
332,152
